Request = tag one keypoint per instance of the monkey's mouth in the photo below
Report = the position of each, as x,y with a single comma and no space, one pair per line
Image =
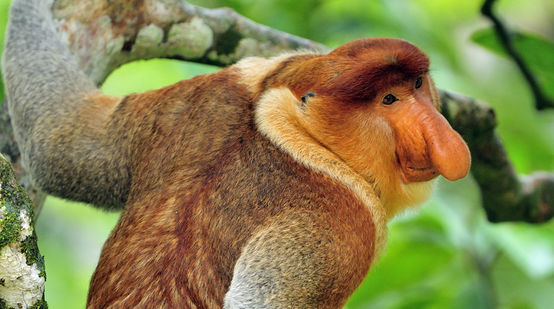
420,168
416,170
417,174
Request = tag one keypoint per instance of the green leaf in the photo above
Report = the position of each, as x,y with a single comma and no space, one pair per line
537,52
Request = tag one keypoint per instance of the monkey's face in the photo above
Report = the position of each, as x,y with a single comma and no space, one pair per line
372,104
426,145
401,130
380,113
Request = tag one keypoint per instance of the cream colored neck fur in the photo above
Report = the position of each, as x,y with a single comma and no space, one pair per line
277,118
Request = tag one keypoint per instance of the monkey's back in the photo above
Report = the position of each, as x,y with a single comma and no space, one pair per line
222,184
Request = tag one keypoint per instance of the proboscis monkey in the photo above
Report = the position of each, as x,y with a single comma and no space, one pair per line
265,185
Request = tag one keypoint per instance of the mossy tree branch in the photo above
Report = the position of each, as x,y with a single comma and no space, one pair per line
22,273
106,34
8,147
506,196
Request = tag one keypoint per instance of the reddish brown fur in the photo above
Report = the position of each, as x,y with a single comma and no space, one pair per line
206,181
177,241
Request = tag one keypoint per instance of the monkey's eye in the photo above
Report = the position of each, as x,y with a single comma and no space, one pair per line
418,82
389,99
307,96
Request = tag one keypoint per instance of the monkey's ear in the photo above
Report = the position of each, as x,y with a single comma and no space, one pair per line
305,98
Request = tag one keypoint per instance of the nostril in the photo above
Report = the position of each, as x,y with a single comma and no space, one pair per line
307,96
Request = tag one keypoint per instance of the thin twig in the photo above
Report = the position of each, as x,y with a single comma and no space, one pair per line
541,101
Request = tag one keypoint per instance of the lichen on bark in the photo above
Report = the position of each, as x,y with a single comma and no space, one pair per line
193,38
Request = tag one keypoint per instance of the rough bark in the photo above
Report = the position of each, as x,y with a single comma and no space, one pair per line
22,273
106,34
505,195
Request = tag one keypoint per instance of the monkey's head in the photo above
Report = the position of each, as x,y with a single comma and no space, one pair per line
373,103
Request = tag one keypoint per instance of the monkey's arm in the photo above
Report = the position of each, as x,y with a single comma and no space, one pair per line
298,261
63,125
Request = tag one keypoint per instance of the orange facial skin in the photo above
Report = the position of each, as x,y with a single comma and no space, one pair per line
426,144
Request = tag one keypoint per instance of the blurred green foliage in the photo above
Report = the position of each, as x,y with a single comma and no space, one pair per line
446,255
537,52
3,18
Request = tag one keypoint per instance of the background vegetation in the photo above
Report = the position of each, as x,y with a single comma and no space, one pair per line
444,256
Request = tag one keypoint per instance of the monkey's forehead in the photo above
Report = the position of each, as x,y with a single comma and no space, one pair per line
385,46
355,71
369,72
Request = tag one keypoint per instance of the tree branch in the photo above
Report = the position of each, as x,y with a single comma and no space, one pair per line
505,195
106,34
541,100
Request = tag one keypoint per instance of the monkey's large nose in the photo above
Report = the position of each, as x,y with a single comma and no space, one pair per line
447,150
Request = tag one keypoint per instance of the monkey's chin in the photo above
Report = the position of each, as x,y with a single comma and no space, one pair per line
408,196
419,192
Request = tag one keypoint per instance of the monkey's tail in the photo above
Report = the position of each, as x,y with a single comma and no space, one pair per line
66,149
